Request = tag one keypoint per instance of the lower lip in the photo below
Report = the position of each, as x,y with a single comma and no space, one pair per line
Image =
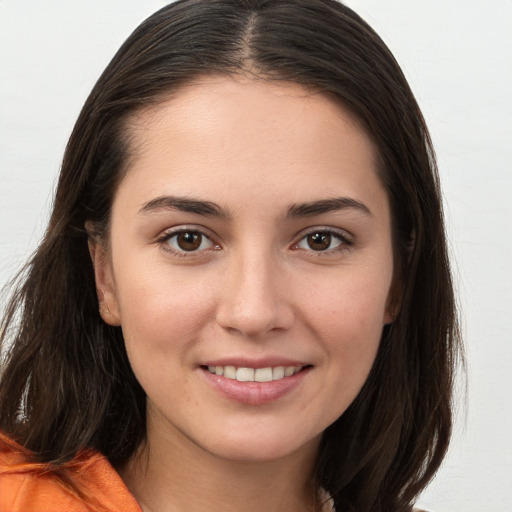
254,393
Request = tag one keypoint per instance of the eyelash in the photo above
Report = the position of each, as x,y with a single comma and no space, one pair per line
345,242
165,239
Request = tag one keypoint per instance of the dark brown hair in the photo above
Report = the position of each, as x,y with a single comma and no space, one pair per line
67,383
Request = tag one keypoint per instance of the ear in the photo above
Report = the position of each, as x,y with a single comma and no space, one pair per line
396,291
391,313
104,278
394,301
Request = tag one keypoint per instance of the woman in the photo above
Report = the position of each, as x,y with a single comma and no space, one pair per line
243,298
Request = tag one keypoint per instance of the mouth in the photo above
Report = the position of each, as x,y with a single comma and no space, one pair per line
243,374
255,383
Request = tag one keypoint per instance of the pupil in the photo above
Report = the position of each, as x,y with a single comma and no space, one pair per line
189,241
319,241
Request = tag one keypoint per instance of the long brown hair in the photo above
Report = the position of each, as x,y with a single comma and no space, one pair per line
67,384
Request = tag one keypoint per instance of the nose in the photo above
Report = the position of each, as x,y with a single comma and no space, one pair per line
255,299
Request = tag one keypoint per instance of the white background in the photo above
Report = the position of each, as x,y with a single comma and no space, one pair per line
458,58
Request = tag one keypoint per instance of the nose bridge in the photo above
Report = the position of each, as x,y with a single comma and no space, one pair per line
254,301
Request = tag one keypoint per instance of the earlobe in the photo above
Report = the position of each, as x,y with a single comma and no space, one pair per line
104,278
389,317
393,303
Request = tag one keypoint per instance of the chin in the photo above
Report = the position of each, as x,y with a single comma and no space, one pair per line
263,447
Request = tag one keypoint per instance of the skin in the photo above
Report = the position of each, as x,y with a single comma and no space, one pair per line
256,286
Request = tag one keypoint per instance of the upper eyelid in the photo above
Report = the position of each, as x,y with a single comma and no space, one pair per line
168,232
303,232
343,233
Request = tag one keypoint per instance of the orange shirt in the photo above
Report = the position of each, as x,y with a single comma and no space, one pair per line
28,487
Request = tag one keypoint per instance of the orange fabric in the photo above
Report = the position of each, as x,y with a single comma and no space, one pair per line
28,487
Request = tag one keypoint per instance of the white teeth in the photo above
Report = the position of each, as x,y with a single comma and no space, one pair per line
263,375
288,371
230,372
278,373
255,375
245,374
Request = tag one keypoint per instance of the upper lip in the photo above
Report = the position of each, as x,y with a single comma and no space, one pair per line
246,362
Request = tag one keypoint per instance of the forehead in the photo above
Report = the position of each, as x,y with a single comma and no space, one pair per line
238,107
224,133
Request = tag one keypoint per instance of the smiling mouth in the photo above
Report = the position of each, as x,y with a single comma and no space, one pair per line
255,374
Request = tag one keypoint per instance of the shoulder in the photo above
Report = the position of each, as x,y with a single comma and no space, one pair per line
27,488
88,483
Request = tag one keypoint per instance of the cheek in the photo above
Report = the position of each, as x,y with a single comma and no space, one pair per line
348,320
162,317
162,309
355,301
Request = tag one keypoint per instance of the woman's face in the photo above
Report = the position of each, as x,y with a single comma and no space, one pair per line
250,265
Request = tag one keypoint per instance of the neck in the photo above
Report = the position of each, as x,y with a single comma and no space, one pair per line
173,474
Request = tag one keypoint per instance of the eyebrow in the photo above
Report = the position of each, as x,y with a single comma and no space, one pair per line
326,206
210,209
184,204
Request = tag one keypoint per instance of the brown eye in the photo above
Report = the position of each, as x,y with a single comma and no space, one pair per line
188,241
323,241
319,241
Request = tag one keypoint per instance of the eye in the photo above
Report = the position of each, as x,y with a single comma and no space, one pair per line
187,240
323,241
